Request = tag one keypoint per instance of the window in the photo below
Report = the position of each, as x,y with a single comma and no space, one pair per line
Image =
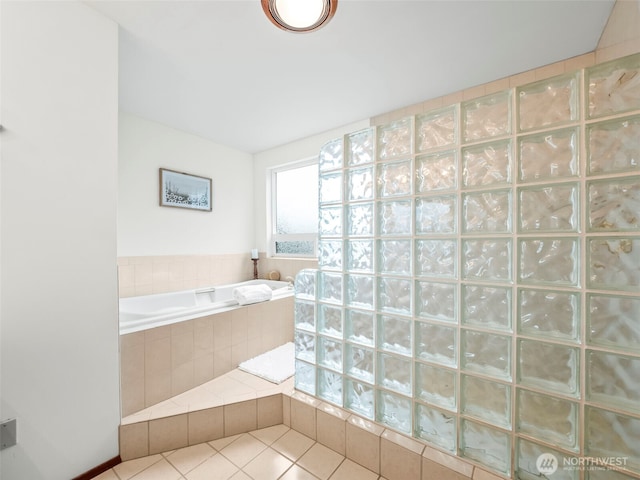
294,209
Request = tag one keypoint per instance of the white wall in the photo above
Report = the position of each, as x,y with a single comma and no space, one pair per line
291,152
58,319
144,228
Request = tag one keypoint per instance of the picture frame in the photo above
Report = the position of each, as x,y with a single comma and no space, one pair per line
185,190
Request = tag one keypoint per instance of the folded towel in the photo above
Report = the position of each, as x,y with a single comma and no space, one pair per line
252,294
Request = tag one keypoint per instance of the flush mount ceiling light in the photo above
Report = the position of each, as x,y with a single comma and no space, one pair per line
299,16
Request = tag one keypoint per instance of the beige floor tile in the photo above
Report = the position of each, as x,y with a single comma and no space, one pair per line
349,470
215,468
108,475
292,445
161,470
270,434
298,473
321,461
186,459
223,442
240,476
128,469
243,450
267,466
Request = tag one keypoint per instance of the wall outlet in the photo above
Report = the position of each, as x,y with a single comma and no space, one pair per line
8,434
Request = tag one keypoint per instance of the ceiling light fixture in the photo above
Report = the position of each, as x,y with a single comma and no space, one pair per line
299,16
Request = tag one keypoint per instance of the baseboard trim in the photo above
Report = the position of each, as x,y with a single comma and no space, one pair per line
103,467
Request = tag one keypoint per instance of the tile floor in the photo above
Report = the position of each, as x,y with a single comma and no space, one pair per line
271,453
232,387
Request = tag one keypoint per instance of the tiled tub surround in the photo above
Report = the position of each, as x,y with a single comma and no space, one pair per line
479,275
162,362
146,275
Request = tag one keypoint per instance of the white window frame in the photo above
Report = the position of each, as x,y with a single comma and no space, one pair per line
272,213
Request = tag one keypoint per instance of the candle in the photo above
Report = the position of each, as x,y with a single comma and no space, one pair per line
254,253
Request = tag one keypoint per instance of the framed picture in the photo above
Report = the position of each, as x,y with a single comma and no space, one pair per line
183,190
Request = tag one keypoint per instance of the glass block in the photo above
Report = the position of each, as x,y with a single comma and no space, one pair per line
436,385
394,257
614,205
549,102
359,398
486,212
486,400
360,184
360,291
546,313
552,208
485,445
436,343
330,157
330,386
330,320
436,172
436,426
395,139
487,259
305,283
394,295
394,373
360,255
304,314
487,307
330,287
394,218
305,377
546,418
486,353
359,147
330,187
436,129
395,334
612,263
610,434
435,215
614,87
359,327
552,367
330,254
486,117
612,380
613,146
360,363
360,219
330,353
529,456
436,258
549,155
394,411
549,261
487,164
607,474
613,322
394,179
436,301
330,221
305,346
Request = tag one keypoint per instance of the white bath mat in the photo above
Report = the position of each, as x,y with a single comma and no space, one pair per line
275,365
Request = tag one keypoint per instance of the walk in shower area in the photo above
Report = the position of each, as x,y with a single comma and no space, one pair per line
479,276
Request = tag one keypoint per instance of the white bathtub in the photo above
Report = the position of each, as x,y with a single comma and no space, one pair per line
149,311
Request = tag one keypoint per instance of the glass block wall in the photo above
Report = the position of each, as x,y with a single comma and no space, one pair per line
479,275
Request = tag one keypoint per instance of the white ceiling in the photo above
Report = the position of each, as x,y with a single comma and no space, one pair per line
220,70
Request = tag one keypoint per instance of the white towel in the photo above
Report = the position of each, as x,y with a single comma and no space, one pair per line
252,294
